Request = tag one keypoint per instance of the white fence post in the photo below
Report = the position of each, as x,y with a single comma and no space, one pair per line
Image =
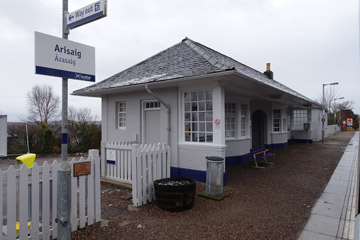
74,198
11,204
45,215
103,158
94,158
23,201
35,202
55,167
134,174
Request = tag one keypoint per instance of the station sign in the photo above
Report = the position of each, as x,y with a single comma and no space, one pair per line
349,122
86,14
59,57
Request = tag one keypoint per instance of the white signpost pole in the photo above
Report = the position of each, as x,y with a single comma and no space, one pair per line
64,172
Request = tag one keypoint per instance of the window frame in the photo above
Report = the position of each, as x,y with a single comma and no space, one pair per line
197,116
276,123
118,113
244,120
300,116
231,120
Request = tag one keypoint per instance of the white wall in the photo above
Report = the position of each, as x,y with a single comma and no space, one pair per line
316,124
331,129
3,135
238,147
133,128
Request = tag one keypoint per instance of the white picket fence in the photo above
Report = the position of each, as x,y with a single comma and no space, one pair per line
117,165
139,165
150,162
30,196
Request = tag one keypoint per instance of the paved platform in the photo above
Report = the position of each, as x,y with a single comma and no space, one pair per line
333,216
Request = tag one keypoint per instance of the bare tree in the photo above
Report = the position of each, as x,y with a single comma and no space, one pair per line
43,104
84,133
344,105
330,93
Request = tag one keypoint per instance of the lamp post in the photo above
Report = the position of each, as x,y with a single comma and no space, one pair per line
335,107
323,118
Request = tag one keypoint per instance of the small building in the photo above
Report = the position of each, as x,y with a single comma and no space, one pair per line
3,135
203,103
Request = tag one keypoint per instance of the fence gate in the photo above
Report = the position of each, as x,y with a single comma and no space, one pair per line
138,165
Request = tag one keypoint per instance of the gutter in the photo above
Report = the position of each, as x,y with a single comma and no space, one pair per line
168,129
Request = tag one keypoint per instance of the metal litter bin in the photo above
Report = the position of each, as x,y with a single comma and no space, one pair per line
214,176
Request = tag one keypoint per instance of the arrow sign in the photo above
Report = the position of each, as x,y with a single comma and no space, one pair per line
86,14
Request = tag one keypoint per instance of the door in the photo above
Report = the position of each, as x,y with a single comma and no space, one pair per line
151,122
258,120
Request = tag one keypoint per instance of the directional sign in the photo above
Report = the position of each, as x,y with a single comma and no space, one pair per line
86,14
59,57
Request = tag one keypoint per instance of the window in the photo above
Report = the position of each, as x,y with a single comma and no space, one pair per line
151,105
276,120
230,120
299,118
198,116
121,114
243,120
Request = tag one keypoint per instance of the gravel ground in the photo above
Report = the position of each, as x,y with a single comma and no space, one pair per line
270,203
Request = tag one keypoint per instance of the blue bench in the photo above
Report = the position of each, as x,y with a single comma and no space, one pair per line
261,153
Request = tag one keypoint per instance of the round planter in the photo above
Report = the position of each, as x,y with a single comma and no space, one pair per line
175,194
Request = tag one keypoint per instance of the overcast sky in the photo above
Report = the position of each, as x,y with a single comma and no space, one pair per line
307,42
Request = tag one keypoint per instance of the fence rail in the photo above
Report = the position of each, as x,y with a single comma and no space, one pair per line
29,196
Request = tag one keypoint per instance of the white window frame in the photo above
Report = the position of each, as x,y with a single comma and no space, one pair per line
197,117
244,120
121,115
230,120
276,126
300,116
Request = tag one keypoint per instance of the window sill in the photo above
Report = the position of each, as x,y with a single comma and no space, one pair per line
278,133
237,139
194,145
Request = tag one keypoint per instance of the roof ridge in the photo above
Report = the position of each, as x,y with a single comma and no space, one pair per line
213,61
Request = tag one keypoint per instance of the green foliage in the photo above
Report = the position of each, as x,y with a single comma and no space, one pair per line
46,139
42,140
331,119
84,136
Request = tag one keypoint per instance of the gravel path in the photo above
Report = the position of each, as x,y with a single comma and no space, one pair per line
270,203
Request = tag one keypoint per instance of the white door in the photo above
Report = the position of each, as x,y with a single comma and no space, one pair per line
151,122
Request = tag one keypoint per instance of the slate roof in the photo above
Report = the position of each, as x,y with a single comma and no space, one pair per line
185,59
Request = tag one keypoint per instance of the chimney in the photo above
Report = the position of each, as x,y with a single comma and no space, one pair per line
268,72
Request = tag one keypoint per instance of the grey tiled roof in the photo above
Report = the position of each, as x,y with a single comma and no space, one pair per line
185,59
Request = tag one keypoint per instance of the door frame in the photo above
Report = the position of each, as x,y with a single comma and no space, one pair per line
155,107
263,127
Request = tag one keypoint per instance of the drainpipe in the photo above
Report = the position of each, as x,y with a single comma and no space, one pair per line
167,107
